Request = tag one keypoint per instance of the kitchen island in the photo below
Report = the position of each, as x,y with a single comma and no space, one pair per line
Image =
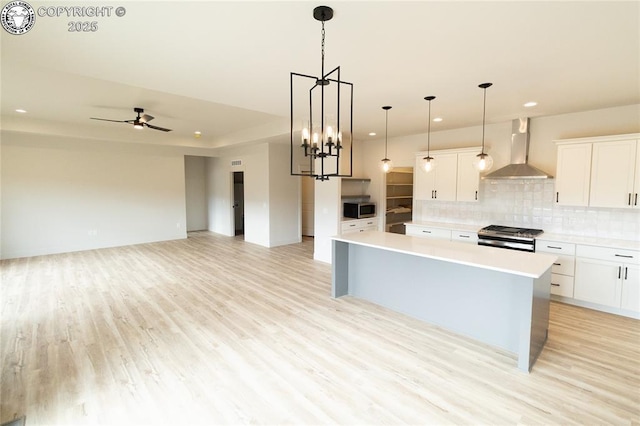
497,296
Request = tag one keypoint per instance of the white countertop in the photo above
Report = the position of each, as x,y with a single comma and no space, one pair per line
531,265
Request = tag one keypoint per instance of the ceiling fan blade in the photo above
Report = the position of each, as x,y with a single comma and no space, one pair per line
106,119
151,126
146,118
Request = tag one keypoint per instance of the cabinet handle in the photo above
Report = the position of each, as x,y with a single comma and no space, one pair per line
554,247
432,193
619,271
557,196
635,203
477,196
624,255
625,272
463,236
435,192
629,199
558,264
426,232
555,285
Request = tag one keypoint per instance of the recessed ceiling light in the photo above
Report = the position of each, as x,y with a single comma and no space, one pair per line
530,104
21,111
437,119
197,133
372,134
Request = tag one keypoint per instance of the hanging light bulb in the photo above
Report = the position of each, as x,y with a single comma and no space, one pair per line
386,165
428,162
483,161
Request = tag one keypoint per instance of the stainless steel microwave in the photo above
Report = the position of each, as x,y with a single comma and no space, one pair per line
359,210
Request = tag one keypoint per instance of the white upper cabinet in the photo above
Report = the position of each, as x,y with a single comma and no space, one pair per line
613,172
599,172
572,174
453,178
468,183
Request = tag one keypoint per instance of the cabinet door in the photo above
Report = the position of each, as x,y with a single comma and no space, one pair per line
446,172
598,281
468,182
612,174
562,285
631,288
573,172
423,183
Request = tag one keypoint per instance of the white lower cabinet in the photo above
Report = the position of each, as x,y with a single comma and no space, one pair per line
608,277
358,225
428,232
631,289
464,236
563,269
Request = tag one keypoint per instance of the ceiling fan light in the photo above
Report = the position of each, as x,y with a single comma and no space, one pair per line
138,125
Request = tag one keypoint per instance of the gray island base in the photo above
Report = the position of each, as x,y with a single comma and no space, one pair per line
496,296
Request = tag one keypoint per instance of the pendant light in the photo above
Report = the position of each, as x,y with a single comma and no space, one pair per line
386,165
428,162
483,161
327,119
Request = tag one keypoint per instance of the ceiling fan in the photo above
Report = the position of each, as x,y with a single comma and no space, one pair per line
141,121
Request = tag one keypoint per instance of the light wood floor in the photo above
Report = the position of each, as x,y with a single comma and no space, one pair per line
212,330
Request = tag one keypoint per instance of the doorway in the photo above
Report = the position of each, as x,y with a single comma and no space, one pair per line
238,202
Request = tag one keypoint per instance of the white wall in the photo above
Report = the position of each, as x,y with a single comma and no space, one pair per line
256,195
271,195
195,192
62,194
327,213
219,196
285,198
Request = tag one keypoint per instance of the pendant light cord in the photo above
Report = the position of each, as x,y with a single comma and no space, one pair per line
484,113
386,131
429,132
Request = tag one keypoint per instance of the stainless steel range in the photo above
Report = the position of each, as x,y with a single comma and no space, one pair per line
523,239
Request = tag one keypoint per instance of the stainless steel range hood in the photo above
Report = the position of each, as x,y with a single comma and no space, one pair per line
519,169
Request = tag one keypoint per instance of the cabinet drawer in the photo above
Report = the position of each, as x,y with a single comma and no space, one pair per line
607,253
561,285
466,237
422,231
564,265
555,247
348,226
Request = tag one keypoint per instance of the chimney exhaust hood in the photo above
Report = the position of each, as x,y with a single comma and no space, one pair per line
519,169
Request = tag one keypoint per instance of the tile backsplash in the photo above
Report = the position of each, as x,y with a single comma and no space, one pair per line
530,203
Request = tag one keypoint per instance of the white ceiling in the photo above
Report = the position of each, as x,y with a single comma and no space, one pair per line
223,67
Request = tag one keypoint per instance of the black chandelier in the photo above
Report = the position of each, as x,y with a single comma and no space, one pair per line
326,136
